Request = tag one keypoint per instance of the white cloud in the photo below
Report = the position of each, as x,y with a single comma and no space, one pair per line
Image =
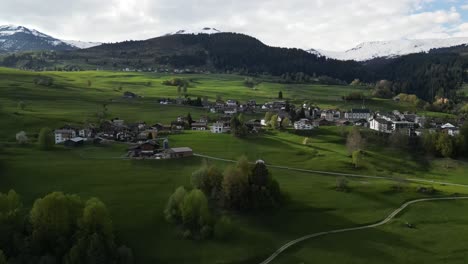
324,24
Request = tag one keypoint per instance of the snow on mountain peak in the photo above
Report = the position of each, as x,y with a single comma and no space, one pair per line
205,30
389,49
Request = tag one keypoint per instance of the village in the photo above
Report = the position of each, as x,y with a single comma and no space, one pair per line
150,141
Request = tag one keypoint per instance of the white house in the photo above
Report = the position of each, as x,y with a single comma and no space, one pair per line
356,114
62,135
381,125
451,129
303,124
219,128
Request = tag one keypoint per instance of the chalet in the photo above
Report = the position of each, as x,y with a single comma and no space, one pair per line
182,152
62,135
146,149
220,127
74,142
356,114
303,124
199,126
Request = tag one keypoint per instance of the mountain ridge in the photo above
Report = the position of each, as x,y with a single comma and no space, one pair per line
14,38
390,49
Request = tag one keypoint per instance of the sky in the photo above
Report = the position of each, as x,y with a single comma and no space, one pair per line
335,25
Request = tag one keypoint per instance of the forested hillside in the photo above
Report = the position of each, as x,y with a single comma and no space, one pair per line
438,73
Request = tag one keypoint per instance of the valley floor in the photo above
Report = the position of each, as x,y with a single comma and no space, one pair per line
136,191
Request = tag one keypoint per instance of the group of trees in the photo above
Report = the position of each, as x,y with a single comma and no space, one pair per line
241,187
441,144
238,127
60,228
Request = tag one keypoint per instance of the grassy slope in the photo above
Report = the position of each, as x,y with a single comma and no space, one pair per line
136,191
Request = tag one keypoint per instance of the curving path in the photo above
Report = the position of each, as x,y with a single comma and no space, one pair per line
342,174
384,221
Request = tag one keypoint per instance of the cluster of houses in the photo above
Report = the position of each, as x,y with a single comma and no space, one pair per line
146,141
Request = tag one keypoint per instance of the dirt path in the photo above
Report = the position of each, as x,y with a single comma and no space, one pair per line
383,222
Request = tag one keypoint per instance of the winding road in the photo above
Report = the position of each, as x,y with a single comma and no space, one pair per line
383,222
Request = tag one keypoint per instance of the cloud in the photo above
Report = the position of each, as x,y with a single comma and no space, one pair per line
323,24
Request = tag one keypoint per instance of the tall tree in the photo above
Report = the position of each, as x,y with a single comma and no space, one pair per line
354,141
280,95
46,139
189,120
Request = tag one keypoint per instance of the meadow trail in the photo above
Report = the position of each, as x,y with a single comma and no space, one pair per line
343,174
382,222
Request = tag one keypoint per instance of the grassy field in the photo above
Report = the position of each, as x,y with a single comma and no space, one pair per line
136,191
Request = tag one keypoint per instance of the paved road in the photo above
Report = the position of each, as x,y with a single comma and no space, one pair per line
384,221
344,174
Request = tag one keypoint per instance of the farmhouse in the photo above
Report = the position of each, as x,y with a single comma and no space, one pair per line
220,127
201,126
303,124
179,152
62,135
146,149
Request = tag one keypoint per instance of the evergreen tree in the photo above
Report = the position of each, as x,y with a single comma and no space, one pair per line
46,139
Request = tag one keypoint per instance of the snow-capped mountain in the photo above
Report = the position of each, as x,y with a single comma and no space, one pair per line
81,44
205,30
390,49
18,38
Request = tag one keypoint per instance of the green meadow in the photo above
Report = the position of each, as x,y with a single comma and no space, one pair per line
136,191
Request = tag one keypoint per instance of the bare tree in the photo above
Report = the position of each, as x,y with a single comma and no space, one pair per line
354,141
